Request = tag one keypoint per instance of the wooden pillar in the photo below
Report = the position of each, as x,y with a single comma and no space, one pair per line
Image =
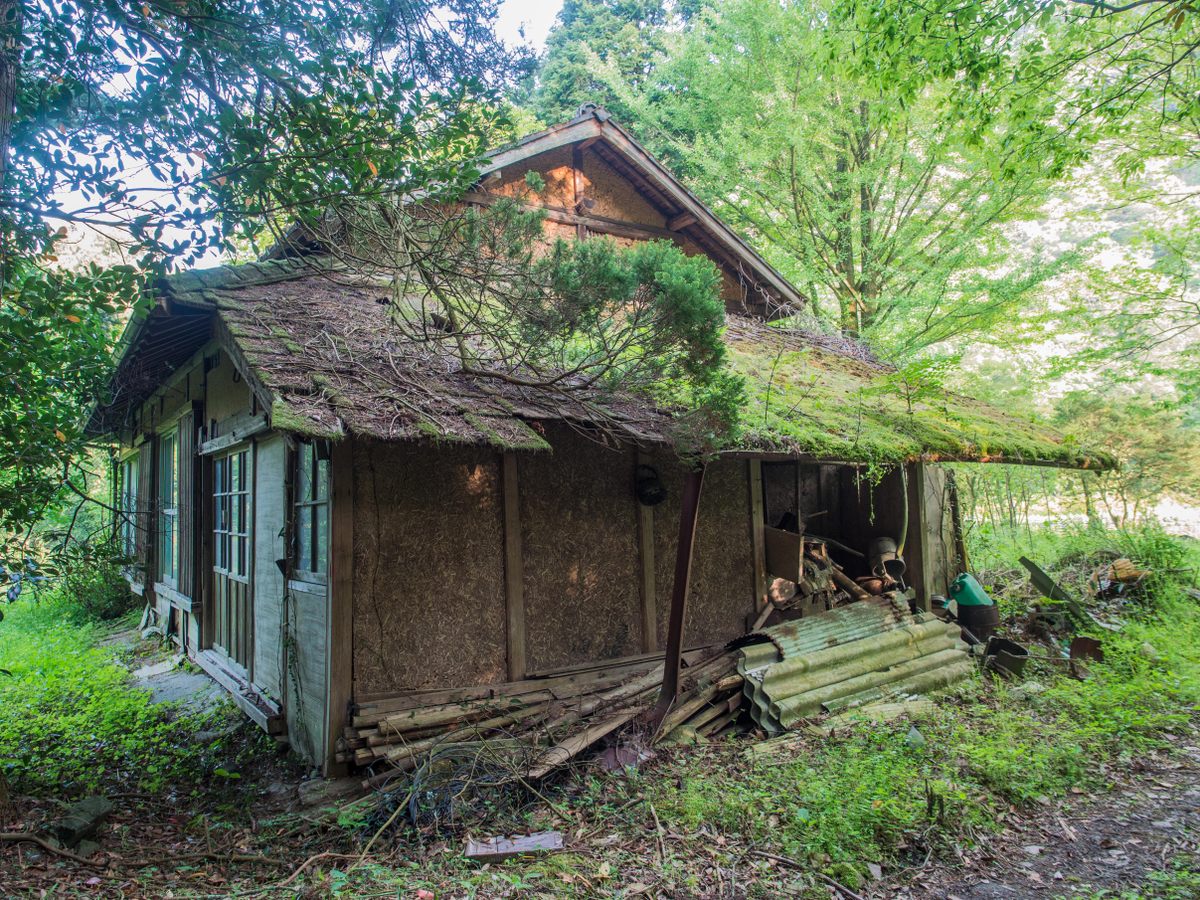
920,553
645,515
754,467
689,512
514,570
340,637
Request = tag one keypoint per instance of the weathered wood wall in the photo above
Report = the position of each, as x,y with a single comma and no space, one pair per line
579,545
270,544
611,196
428,567
306,676
723,590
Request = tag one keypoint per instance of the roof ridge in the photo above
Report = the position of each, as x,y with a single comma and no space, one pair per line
194,285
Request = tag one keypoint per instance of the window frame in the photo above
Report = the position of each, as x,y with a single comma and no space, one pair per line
231,539
167,518
310,495
128,473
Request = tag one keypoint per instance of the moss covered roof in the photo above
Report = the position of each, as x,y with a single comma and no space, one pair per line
818,397
322,349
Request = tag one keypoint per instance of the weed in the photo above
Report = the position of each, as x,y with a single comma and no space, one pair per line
70,722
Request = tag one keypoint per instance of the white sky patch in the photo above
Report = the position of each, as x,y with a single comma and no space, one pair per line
534,17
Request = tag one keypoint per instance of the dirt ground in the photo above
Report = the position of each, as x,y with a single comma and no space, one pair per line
1086,846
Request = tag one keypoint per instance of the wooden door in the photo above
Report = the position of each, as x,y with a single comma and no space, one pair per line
233,614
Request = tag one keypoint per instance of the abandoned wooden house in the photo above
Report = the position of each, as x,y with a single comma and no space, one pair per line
329,521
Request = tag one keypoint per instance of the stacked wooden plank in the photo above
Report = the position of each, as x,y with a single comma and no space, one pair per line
554,718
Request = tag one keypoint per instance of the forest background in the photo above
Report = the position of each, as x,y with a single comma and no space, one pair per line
1001,198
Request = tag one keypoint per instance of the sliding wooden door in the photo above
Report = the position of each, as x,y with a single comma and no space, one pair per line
233,613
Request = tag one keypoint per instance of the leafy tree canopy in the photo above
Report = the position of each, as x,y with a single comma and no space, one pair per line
627,35
178,128
889,212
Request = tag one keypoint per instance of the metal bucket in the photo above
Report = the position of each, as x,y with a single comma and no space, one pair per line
884,559
978,622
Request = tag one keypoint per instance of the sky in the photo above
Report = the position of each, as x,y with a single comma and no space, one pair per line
535,15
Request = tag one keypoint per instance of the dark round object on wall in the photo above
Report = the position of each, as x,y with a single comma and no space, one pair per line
649,487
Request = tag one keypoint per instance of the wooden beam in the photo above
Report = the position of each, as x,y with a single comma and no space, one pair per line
578,187
683,220
339,640
646,562
241,429
594,223
689,512
261,711
514,570
757,522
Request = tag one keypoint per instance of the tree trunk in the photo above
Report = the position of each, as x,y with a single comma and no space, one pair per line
12,19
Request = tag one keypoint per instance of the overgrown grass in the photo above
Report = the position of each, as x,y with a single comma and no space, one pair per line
69,720
874,795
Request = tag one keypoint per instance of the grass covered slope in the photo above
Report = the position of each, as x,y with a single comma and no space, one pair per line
71,722
823,402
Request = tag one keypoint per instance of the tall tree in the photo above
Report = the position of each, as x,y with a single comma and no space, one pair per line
885,210
178,126
1126,80
626,35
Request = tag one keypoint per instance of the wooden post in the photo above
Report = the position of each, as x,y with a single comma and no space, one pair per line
340,638
514,570
577,188
646,561
756,532
919,535
688,513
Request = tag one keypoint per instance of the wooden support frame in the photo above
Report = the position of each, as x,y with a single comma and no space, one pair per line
757,524
689,512
514,570
339,647
919,537
648,589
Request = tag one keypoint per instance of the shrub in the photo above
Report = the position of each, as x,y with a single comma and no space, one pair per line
92,579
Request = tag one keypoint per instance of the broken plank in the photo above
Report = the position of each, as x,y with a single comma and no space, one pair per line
495,849
561,754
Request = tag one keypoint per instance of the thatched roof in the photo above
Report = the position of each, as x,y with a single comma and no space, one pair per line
320,350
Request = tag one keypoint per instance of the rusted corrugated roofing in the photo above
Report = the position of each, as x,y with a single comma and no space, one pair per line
852,655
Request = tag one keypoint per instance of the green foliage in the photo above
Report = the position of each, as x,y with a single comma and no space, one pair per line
856,797
58,327
579,320
92,578
228,135
888,216
828,406
625,35
70,722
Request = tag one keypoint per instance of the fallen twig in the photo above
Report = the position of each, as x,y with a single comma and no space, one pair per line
18,837
783,860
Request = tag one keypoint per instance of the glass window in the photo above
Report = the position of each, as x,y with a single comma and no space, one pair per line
231,520
127,506
312,511
168,508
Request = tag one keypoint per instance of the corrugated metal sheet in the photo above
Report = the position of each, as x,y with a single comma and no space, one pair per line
846,657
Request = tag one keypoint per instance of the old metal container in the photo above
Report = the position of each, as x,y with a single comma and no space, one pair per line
978,622
1005,656
967,591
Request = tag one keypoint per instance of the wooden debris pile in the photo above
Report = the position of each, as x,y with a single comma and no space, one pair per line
777,676
552,719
